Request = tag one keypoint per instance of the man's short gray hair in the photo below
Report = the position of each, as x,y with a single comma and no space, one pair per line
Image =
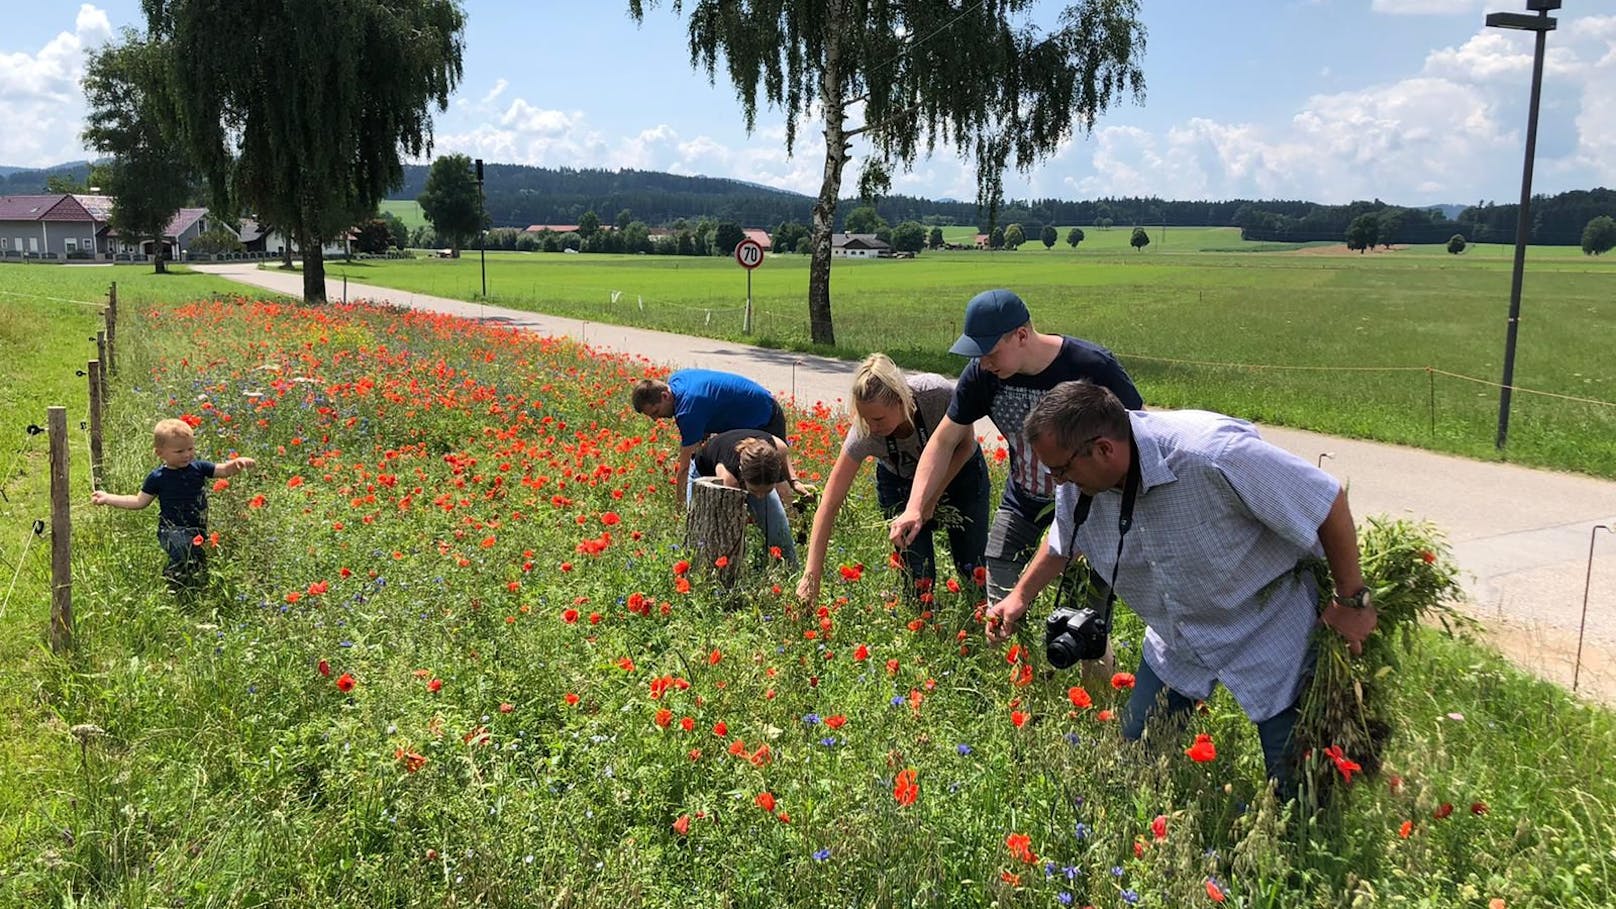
1075,414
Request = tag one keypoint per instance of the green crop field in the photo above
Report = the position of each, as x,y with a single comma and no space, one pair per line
407,210
1309,337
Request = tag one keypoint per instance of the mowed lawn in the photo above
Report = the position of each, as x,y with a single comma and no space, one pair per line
1325,340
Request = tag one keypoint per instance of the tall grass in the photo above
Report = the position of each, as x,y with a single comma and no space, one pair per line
426,485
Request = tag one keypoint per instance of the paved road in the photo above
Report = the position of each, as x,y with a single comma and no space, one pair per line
1519,534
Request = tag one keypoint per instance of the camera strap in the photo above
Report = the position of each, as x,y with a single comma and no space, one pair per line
1080,513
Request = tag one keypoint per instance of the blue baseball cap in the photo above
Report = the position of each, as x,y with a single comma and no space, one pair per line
989,316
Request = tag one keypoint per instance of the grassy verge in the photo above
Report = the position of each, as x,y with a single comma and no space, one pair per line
51,313
447,656
1336,344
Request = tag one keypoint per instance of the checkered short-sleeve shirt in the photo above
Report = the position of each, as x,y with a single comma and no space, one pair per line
1220,523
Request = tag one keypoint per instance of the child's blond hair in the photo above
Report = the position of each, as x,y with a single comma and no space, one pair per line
171,430
880,381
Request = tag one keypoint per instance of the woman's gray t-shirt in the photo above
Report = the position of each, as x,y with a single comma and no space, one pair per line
932,393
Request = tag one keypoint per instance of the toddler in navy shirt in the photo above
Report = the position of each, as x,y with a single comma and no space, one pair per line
181,489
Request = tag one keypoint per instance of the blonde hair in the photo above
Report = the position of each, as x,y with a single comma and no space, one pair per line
879,381
761,463
171,430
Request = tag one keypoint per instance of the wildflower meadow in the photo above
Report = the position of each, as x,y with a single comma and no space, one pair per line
451,652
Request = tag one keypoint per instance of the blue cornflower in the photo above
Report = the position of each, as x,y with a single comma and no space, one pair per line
963,749
828,741
812,719
1116,871
1064,898
821,855
1130,897
897,700
1081,830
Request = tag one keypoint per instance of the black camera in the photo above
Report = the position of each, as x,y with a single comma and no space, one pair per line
1072,634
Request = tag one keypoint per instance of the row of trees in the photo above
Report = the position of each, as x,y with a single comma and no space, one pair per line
299,115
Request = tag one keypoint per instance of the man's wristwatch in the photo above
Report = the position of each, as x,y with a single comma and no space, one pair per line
1359,600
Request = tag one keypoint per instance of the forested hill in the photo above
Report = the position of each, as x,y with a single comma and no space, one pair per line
519,195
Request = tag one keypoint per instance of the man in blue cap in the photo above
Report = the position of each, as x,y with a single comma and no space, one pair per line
1013,365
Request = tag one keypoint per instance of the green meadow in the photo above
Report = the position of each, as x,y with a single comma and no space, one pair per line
1311,337
407,210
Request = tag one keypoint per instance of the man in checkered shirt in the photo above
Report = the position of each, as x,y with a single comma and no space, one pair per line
1211,561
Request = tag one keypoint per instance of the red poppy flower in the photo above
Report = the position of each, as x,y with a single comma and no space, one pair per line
434,686
1203,750
1214,892
1443,810
682,825
765,800
1122,680
1018,718
324,668
1478,808
720,730
904,789
1020,846
838,721
663,717
1158,828
346,683
1079,697
861,653
1406,829
569,616
571,699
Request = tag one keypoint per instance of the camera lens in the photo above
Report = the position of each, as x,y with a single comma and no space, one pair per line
1062,651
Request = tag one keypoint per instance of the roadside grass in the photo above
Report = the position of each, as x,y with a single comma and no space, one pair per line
419,520
1332,343
51,315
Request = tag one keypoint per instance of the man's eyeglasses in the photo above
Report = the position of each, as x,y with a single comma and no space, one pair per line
1082,451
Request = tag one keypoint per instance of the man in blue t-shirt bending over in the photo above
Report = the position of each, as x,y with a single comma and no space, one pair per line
1012,367
704,402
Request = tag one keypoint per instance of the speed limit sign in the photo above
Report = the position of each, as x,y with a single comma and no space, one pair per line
749,253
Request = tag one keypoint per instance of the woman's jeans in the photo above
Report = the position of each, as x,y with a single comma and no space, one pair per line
967,539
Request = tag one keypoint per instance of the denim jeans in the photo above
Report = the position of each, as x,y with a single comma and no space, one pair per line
186,560
967,540
768,513
1147,704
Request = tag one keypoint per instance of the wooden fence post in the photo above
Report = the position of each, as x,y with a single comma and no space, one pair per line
61,623
112,328
101,356
97,402
715,528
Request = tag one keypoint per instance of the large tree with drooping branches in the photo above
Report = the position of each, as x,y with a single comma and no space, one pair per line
906,75
302,110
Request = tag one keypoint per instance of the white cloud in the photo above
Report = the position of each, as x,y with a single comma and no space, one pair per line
499,89
41,101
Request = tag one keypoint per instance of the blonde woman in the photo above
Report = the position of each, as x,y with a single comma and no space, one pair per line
894,416
760,463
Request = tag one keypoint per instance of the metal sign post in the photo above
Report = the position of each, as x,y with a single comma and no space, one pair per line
749,253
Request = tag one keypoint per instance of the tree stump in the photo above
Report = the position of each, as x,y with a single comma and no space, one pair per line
715,528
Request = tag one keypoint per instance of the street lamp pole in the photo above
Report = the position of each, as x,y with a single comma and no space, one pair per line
482,229
1540,25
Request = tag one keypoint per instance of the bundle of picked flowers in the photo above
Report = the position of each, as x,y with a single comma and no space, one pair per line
1346,717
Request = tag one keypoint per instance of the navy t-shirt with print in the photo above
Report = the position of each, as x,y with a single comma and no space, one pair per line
979,393
182,495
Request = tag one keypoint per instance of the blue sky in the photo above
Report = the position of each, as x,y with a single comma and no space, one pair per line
1411,101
